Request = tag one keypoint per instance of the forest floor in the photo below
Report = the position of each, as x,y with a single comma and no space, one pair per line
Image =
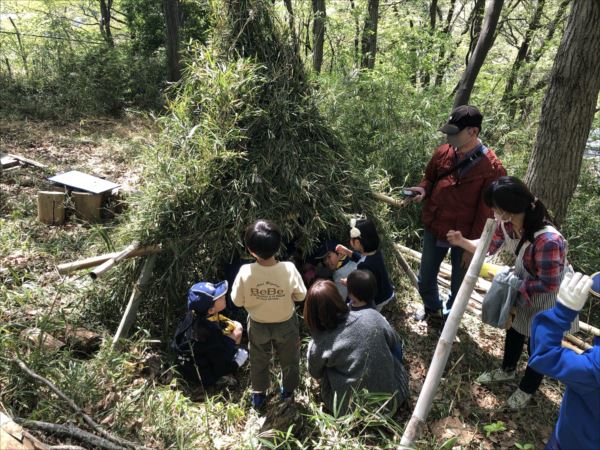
132,392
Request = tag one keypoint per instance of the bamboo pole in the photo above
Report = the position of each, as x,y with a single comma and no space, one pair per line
389,200
411,275
567,344
590,329
106,266
134,300
94,261
577,342
444,346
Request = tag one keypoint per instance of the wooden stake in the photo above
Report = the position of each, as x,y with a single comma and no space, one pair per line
444,346
87,206
97,260
51,207
134,300
106,266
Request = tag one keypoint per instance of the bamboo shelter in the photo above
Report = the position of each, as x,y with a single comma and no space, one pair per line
243,139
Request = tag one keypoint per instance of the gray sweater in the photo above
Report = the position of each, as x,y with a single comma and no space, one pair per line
357,354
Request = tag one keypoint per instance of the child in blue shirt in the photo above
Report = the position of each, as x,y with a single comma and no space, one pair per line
578,425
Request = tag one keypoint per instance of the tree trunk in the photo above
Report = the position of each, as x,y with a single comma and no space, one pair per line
369,36
442,62
105,15
172,22
320,14
523,91
522,56
484,43
433,9
567,110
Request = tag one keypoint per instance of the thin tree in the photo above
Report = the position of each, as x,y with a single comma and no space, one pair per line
567,110
522,57
484,44
172,22
369,36
320,14
105,18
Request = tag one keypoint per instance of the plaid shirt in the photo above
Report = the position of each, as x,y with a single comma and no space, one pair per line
544,261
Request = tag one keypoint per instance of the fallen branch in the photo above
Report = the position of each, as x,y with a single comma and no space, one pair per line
106,266
97,260
87,419
70,431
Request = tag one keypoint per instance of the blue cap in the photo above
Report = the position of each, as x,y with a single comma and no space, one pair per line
326,247
202,296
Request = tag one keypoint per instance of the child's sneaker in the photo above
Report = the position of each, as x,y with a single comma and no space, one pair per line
286,395
258,399
495,376
518,400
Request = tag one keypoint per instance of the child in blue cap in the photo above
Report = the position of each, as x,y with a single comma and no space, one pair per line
207,342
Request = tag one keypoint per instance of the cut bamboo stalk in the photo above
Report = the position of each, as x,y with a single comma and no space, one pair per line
444,346
97,260
106,266
51,207
577,342
134,301
389,200
590,329
567,344
409,272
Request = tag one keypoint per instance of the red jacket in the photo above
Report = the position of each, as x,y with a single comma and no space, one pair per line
456,202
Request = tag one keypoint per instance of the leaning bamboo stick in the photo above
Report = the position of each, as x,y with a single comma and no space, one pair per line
134,301
106,266
444,346
94,261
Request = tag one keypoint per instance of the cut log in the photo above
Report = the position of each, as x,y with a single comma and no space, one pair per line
51,207
87,206
97,260
134,300
106,266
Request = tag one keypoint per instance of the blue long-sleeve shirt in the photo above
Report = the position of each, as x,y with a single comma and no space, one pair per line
578,425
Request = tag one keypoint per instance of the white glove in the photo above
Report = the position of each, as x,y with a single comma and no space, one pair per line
240,357
574,290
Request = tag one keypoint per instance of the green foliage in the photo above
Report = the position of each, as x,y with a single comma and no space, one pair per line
494,427
583,221
100,80
146,23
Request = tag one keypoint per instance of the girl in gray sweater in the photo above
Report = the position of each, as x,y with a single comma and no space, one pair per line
351,350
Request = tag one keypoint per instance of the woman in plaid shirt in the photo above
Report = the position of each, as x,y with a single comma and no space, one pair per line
525,232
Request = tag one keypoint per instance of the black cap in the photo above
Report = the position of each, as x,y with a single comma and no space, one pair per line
326,247
462,117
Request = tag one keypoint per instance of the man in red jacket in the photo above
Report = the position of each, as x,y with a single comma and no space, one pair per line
455,178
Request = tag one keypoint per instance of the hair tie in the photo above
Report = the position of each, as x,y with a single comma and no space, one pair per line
535,199
354,232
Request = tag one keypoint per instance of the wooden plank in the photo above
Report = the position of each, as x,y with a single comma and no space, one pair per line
28,161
